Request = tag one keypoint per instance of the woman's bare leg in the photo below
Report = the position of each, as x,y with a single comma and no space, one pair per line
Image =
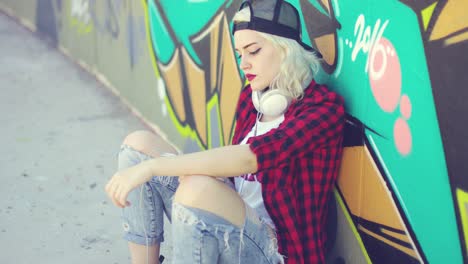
152,145
142,254
209,194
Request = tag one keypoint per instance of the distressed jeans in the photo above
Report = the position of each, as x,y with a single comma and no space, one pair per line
198,235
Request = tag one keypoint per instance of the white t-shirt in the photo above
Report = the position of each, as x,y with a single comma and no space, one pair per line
251,190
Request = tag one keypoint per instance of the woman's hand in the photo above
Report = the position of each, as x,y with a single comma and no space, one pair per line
126,180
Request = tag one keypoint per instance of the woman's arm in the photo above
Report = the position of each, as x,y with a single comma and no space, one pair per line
225,161
219,162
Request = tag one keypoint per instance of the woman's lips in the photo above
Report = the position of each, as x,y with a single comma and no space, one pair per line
250,77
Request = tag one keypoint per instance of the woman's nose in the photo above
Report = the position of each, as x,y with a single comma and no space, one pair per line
244,64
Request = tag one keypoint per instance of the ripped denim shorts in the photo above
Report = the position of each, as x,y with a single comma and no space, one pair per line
198,235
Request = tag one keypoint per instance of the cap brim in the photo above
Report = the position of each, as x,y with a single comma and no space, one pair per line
309,48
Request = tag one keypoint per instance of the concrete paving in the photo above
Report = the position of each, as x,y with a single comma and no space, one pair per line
60,132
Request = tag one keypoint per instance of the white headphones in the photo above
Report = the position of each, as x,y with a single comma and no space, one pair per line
271,103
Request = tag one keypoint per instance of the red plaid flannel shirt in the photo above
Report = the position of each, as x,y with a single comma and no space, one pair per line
297,167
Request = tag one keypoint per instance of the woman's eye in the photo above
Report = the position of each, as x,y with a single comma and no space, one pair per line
256,51
239,56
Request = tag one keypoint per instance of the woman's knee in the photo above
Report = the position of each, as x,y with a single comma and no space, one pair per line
209,194
148,143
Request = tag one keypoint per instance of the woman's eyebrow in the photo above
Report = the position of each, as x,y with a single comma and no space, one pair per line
248,45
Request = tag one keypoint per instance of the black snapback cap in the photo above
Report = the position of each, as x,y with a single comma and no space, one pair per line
276,17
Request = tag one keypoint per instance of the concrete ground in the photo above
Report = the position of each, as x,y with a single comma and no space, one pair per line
60,132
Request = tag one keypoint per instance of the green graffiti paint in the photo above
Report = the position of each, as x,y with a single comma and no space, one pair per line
462,198
426,14
162,42
410,148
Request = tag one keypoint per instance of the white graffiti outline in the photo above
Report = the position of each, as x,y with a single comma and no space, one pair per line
81,11
366,41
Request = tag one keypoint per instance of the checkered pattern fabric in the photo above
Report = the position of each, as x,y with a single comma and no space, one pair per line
297,166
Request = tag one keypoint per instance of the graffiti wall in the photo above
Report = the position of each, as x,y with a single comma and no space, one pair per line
402,185
402,194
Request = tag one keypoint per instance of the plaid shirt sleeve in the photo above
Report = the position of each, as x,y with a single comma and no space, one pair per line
316,124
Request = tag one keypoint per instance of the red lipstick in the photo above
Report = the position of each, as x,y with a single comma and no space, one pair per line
250,77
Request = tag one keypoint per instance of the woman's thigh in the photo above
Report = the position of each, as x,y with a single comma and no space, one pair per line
212,195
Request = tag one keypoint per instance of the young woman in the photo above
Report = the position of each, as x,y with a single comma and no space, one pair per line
262,199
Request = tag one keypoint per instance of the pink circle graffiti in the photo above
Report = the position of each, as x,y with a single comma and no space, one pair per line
405,107
385,75
402,136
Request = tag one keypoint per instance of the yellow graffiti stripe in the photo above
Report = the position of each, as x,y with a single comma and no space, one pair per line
462,198
426,14
149,40
389,242
403,237
456,39
213,103
351,224
185,131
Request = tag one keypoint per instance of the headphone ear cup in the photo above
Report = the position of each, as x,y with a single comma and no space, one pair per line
255,101
274,103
